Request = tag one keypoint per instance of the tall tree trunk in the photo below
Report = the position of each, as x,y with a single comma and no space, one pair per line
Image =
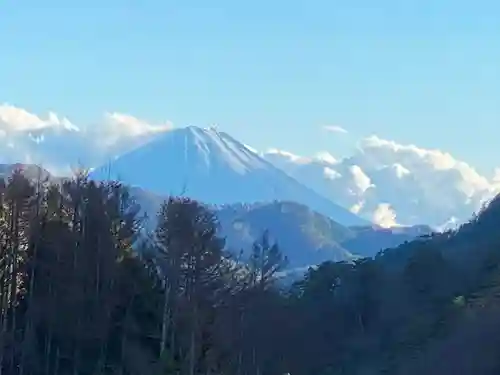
240,343
36,238
4,301
165,319
14,285
78,282
192,349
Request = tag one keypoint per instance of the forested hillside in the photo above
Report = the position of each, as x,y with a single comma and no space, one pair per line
81,293
305,236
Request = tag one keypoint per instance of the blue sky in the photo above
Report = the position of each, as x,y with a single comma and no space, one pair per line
269,72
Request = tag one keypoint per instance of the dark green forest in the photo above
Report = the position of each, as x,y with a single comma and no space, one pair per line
83,290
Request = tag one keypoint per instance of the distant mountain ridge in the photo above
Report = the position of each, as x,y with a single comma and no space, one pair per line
214,168
31,171
306,237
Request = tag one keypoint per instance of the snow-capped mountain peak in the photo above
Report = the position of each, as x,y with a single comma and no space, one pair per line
213,167
217,147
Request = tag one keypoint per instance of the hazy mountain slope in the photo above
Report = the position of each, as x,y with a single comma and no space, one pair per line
368,241
31,171
305,236
214,168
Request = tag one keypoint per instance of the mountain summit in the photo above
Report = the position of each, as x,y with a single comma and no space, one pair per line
211,166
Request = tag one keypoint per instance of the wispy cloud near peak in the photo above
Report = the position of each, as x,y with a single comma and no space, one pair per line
335,129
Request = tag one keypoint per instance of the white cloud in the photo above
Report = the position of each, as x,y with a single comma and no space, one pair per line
424,161
335,129
496,176
331,174
384,216
273,152
119,125
361,181
356,208
326,157
400,171
52,140
421,185
15,119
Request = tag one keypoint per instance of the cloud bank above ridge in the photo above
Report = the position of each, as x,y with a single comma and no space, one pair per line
382,180
390,182
58,144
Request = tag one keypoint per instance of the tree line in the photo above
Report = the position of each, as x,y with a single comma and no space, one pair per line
83,290
82,293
